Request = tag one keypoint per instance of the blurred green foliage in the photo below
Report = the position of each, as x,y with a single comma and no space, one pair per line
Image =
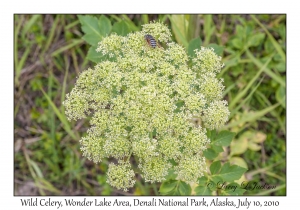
51,50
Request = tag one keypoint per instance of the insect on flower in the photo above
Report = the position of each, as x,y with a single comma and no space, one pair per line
151,41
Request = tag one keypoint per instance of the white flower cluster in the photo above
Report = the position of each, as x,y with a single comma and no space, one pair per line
142,100
120,176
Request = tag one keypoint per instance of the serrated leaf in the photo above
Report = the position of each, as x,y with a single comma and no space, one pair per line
215,167
91,39
193,45
202,181
95,56
217,149
184,188
167,187
223,138
90,25
210,154
173,192
230,173
217,49
217,180
105,25
121,28
175,187
211,134
203,190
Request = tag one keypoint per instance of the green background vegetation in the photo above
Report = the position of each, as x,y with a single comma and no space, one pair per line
51,50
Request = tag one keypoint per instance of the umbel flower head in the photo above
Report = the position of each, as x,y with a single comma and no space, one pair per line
142,101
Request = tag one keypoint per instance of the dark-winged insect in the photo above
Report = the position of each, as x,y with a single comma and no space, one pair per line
150,40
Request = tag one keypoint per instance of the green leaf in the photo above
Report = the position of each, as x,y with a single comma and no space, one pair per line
232,62
281,96
210,154
233,189
208,28
268,46
217,180
74,43
239,146
215,167
230,173
179,27
43,183
29,24
217,49
203,190
171,174
249,30
36,168
121,28
250,117
217,149
94,56
211,134
90,25
256,39
60,116
202,181
237,43
194,44
167,187
280,67
131,25
94,29
91,39
184,188
268,71
223,138
240,31
175,187
238,161
253,146
105,25
273,40
244,93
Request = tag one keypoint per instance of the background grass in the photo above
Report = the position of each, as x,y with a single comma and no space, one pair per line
49,53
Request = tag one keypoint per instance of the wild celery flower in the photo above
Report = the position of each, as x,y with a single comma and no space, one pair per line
142,101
